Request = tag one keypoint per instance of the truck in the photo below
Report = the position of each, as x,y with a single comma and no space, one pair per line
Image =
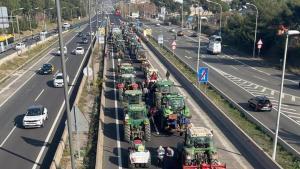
136,123
139,156
198,151
175,115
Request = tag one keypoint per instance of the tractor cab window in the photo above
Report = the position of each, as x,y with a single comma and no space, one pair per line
133,99
136,115
177,103
198,142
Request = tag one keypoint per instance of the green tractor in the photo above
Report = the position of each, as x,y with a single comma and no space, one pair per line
125,68
132,97
161,88
126,82
136,123
198,151
175,114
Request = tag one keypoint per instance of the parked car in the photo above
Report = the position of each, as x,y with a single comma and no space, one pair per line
46,69
65,51
80,34
20,46
172,30
180,33
84,40
260,103
66,25
78,51
35,116
58,80
158,24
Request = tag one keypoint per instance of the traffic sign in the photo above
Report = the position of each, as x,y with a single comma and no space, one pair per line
173,47
87,71
174,43
203,74
259,44
160,39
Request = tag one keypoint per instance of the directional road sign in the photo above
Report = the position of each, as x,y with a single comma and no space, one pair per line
259,44
160,39
203,74
174,45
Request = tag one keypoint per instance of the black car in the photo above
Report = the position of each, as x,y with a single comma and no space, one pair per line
46,69
180,33
194,34
260,103
80,34
84,41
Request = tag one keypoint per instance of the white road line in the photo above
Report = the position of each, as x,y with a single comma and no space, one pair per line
263,90
259,78
272,92
188,57
39,95
11,131
234,67
283,107
116,115
287,112
67,59
256,86
296,117
293,98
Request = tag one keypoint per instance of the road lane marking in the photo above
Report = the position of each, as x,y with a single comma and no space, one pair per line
116,115
234,67
188,57
39,95
259,78
272,92
293,98
288,112
296,117
263,90
67,59
3,142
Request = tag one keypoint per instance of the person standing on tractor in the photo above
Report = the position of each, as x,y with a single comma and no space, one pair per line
168,75
153,77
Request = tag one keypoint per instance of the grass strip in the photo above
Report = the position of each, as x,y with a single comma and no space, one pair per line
284,158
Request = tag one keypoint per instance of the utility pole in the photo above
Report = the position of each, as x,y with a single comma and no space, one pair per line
64,71
91,39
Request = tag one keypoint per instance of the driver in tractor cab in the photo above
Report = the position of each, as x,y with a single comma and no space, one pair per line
153,77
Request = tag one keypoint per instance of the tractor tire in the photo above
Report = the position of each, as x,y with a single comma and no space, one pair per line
127,133
147,132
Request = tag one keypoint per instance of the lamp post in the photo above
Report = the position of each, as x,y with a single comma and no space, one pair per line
44,18
199,39
220,15
182,16
91,39
287,34
29,15
255,33
11,16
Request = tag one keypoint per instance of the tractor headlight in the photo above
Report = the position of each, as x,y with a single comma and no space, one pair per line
189,157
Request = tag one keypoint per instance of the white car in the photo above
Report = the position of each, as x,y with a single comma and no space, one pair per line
214,45
58,80
66,25
65,51
35,117
79,51
158,24
20,46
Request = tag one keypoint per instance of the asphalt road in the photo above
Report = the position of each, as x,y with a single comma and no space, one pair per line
116,150
242,78
34,148
29,40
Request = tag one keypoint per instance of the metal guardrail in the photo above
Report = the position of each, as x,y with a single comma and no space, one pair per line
250,117
246,145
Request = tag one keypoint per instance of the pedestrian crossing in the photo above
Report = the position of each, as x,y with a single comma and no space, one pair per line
290,103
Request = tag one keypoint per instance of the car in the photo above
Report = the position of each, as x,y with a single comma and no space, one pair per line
65,51
35,116
58,80
260,103
214,45
194,34
20,46
78,51
80,34
158,24
180,33
46,69
89,33
66,25
84,40
172,30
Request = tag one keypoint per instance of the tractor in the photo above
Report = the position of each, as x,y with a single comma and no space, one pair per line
132,97
136,123
197,151
138,155
175,114
159,89
141,55
125,68
145,66
151,76
126,82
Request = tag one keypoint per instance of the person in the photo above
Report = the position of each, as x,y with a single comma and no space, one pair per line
168,74
160,155
153,77
170,152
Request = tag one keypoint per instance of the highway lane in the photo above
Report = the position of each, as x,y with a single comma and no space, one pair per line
115,150
237,84
23,148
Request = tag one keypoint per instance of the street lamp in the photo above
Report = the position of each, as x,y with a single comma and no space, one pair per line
220,15
11,16
29,15
182,16
255,33
44,18
199,38
287,34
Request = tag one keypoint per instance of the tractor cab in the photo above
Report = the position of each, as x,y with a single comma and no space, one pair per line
126,68
126,81
152,75
164,86
141,55
198,150
132,97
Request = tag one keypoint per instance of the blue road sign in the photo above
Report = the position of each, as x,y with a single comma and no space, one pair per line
203,74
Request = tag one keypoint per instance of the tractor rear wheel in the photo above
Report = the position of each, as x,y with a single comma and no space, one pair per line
127,133
147,132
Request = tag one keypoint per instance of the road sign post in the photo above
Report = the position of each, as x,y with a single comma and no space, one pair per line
173,47
259,46
202,76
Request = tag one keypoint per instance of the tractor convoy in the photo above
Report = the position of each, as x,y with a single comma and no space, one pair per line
148,99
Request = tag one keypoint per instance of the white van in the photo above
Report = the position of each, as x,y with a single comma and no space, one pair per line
214,45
